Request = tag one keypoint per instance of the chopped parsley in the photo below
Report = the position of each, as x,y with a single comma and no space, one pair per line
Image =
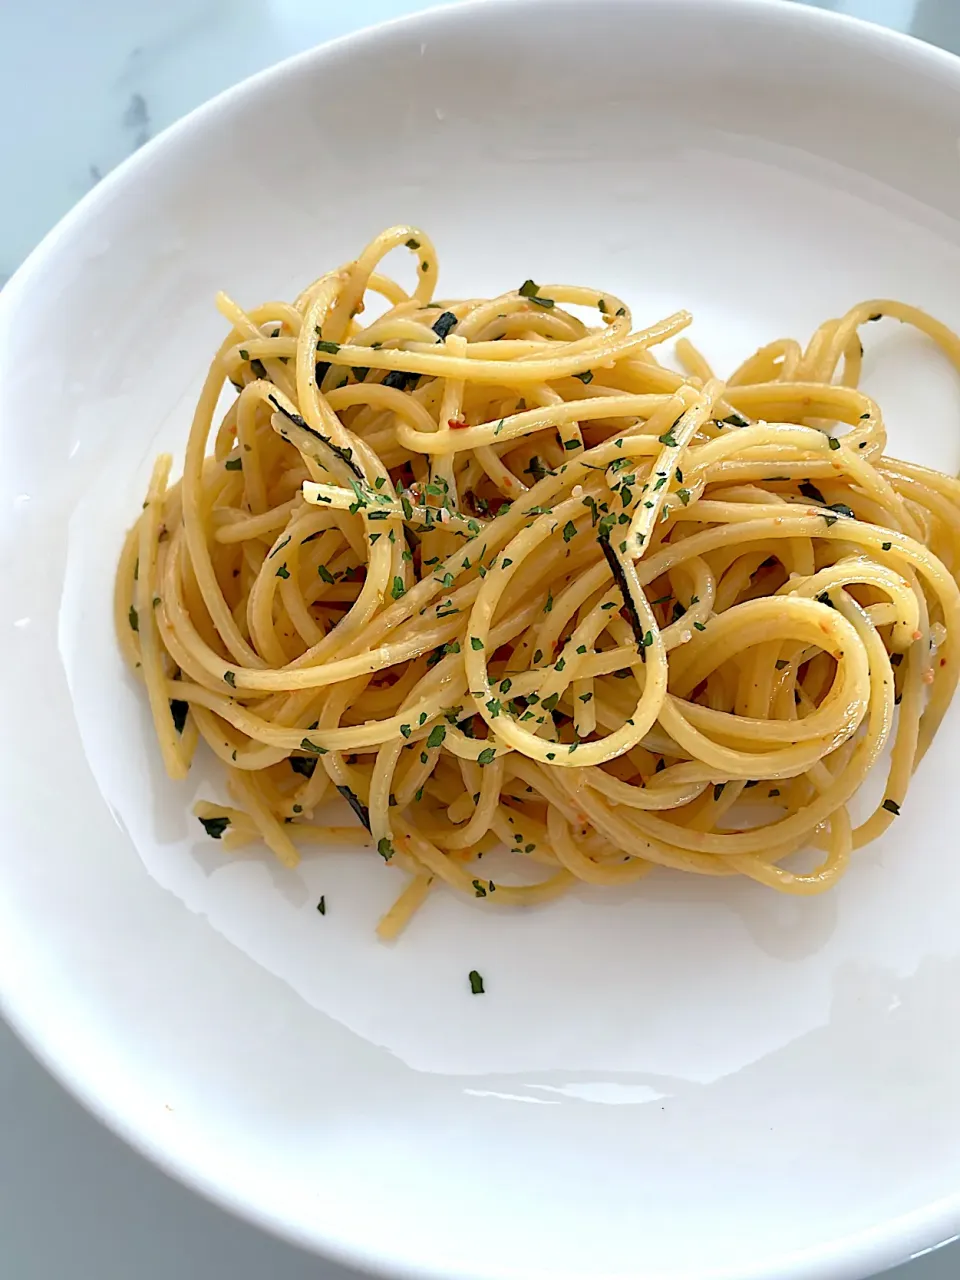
443,324
810,490
214,827
476,982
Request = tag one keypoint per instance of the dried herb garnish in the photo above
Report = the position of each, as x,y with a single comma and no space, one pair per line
476,982
214,827
358,807
303,765
620,577
345,455
443,324
400,379
810,490
178,711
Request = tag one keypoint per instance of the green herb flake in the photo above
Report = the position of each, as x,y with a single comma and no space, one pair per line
230,678
437,735
476,983
322,905
214,827
134,619
233,464
891,806
385,848
283,572
487,756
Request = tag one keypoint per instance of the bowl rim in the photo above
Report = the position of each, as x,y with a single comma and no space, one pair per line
853,1257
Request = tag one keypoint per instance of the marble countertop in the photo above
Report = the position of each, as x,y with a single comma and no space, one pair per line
83,85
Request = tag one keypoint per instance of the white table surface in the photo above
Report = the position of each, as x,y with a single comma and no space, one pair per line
82,84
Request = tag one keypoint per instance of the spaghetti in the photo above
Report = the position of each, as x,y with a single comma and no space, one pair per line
501,578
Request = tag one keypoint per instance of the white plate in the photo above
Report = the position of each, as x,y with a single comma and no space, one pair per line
697,1079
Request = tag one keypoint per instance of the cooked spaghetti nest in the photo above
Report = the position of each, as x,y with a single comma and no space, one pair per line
501,578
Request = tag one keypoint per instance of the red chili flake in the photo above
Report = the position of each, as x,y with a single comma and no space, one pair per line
456,424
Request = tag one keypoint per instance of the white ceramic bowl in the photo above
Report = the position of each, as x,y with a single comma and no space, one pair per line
694,1080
